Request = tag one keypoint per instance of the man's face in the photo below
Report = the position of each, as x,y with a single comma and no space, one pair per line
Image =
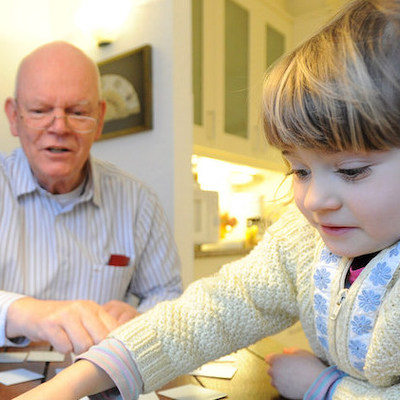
58,84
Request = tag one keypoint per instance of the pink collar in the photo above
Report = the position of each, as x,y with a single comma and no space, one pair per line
353,274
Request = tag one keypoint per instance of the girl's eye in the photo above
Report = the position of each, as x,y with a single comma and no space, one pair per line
300,173
353,174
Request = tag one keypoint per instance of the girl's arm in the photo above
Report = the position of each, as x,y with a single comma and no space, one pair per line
80,379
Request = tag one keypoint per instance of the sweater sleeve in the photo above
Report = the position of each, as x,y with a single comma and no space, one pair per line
246,301
113,358
324,386
350,388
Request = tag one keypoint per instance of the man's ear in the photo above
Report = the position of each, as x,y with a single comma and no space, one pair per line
102,113
10,107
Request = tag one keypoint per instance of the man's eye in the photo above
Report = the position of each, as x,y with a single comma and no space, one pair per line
353,174
78,113
38,112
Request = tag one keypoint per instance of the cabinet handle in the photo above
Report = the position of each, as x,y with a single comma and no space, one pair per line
210,125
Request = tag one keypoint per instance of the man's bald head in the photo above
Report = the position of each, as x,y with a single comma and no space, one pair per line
59,56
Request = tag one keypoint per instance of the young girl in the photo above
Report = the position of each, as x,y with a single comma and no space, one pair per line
333,107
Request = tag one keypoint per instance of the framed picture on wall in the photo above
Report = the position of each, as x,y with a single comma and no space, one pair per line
127,89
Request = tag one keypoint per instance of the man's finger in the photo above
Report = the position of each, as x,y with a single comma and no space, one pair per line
81,340
98,323
110,321
58,338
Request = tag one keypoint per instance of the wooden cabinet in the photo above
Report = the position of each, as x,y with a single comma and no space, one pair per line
234,41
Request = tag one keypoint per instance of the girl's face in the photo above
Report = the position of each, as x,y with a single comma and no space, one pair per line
352,199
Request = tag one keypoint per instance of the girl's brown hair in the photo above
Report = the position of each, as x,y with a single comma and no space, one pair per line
340,90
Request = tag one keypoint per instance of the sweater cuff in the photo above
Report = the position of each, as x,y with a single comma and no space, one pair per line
115,360
324,386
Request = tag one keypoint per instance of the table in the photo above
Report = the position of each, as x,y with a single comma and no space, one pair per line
46,368
250,382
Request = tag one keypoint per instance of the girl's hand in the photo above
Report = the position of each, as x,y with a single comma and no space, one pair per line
294,371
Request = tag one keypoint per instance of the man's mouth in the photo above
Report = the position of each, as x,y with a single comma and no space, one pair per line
57,149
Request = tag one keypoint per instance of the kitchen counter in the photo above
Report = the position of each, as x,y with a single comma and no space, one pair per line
198,253
210,258
221,249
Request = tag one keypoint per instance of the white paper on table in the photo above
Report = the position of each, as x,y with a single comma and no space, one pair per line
211,370
18,375
149,396
13,357
192,392
51,356
228,358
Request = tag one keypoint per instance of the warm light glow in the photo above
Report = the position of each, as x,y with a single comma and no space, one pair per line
244,192
240,178
103,18
213,172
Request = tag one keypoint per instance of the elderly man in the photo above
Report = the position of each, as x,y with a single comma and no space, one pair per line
79,239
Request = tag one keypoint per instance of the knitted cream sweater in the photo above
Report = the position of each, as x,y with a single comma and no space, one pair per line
260,295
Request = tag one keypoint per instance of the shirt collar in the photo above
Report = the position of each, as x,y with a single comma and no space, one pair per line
21,174
26,183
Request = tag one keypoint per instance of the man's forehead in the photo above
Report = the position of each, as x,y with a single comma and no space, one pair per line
57,64
54,102
50,85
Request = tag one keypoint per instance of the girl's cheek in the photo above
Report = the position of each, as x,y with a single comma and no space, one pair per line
298,196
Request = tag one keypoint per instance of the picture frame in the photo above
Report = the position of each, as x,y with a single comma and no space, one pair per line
126,86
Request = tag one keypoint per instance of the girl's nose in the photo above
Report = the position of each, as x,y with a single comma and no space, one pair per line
320,195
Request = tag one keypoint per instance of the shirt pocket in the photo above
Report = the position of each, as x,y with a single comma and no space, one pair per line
110,282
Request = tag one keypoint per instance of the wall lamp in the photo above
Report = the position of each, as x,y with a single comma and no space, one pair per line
103,19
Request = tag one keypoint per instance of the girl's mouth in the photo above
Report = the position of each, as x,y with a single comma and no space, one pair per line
335,230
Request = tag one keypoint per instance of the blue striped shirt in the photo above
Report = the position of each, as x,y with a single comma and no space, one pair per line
58,247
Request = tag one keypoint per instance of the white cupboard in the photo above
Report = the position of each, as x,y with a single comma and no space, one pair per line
234,41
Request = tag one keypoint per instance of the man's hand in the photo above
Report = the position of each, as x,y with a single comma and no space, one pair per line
294,371
121,311
66,325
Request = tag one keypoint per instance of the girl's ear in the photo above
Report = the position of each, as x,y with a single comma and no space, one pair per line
10,107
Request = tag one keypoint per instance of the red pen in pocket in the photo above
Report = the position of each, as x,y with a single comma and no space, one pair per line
118,260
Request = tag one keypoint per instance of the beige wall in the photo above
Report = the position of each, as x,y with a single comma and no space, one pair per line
160,157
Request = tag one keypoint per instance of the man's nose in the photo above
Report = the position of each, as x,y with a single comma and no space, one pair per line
59,123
